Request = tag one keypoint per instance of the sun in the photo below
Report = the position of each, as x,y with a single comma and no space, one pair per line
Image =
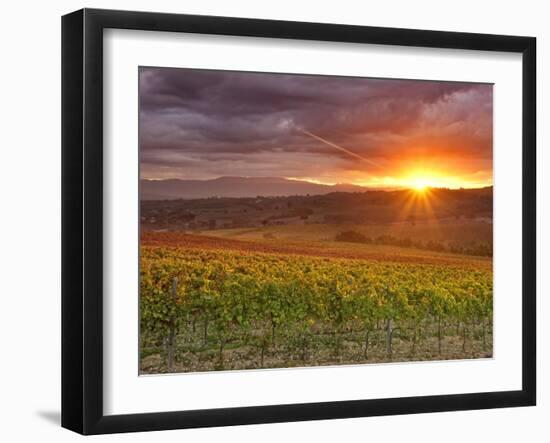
422,181
419,184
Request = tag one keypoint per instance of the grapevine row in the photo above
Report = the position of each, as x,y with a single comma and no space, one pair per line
208,300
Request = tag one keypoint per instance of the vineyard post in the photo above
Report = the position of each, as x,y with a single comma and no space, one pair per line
389,299
264,344
172,323
415,332
389,336
483,325
472,335
439,334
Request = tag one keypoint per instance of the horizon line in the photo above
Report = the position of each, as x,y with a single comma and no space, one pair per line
374,187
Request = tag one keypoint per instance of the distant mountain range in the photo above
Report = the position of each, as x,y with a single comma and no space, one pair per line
236,187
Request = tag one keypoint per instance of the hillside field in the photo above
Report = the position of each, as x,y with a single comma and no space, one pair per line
285,296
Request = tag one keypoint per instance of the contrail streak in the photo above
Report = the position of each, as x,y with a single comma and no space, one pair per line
340,148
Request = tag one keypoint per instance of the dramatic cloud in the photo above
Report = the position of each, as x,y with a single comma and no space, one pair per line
205,124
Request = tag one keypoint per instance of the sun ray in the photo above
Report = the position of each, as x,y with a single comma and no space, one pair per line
418,207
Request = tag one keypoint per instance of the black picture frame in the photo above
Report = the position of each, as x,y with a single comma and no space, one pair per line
82,218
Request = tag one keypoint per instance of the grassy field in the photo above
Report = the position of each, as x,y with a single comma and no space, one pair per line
440,231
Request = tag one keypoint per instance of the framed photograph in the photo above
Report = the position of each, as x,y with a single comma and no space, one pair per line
269,221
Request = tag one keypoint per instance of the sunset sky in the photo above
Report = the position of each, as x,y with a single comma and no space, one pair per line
198,124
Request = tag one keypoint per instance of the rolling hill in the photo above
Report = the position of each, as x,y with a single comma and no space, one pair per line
236,187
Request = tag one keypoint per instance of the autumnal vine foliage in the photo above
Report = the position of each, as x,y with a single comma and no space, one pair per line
206,309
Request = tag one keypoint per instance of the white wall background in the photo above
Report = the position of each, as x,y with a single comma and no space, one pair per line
30,219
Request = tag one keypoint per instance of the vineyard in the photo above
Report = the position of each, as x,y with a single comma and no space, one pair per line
217,308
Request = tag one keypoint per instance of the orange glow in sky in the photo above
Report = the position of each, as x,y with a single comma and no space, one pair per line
420,167
376,133
416,179
419,180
